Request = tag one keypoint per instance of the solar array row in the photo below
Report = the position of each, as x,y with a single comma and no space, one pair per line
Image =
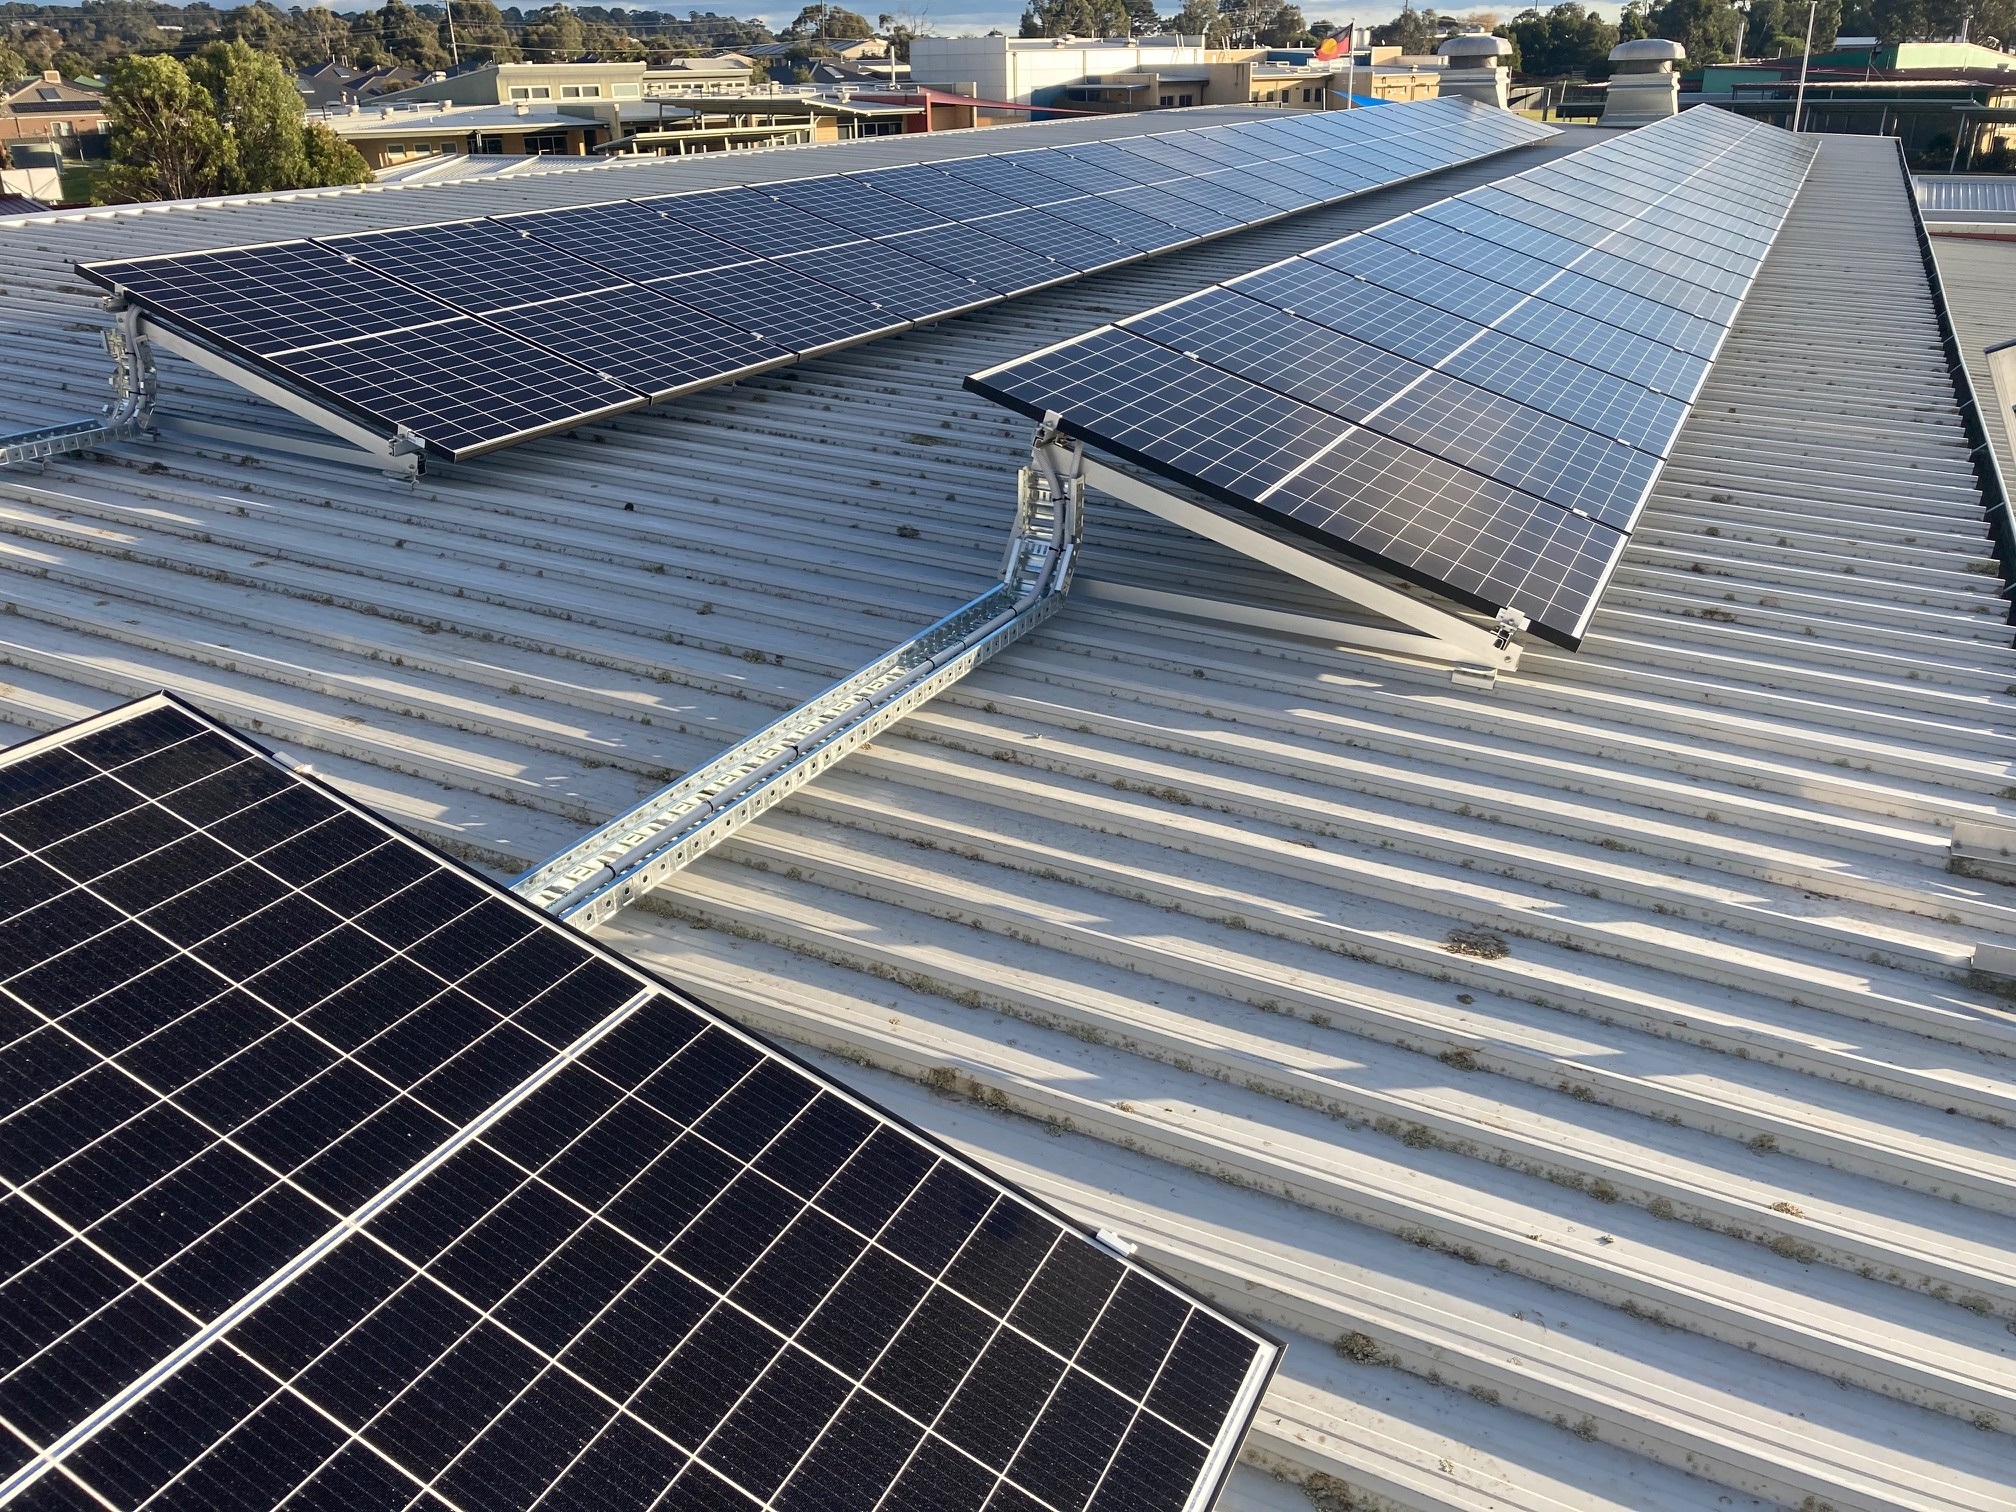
479,333
1478,395
335,1177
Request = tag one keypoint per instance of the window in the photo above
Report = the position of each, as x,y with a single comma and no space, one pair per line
547,141
1167,101
580,91
1307,96
626,92
1185,99
530,92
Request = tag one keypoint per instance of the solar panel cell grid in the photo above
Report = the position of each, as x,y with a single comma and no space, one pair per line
478,266
1109,202
629,239
272,299
1073,245
632,1258
464,385
1589,397
1354,307
955,199
971,253
641,340
855,204
750,220
780,306
890,279
1562,339
1453,290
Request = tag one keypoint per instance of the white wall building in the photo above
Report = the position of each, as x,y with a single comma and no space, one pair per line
1015,68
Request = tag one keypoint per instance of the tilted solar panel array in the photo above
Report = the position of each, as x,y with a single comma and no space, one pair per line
480,333
336,1177
1478,395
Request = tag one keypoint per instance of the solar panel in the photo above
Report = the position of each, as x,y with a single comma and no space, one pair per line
783,307
477,266
1068,242
890,279
1032,217
272,298
855,204
643,341
972,253
750,220
953,198
631,239
1476,401
340,1178
465,385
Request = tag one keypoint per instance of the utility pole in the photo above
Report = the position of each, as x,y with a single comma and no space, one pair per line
1799,107
454,52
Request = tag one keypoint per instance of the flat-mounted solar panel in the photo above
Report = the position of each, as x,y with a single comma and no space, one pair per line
782,307
1200,206
272,298
1470,398
955,199
751,220
999,176
890,279
1074,245
987,260
640,339
1189,219
1033,216
477,266
631,239
855,204
1072,170
342,1178
465,385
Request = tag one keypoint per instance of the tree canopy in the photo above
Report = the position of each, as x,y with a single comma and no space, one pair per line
231,122
1568,39
1412,31
87,39
829,23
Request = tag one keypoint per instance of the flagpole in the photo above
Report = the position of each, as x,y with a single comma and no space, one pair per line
1351,69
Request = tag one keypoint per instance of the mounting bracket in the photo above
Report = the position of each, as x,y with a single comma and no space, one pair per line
131,342
399,455
129,415
1475,653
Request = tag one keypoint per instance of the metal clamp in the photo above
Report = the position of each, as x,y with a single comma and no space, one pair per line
130,413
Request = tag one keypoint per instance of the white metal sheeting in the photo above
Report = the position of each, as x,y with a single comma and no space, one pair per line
1962,197
1588,1074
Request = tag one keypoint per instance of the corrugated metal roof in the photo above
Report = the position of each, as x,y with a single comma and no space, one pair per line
1590,1074
1948,196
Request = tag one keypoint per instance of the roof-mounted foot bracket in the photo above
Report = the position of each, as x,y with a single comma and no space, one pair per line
129,414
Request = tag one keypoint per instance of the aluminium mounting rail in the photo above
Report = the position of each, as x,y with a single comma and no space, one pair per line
627,857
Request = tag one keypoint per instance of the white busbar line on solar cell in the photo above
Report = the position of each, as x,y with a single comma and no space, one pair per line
141,1416
760,263
348,1226
1467,398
